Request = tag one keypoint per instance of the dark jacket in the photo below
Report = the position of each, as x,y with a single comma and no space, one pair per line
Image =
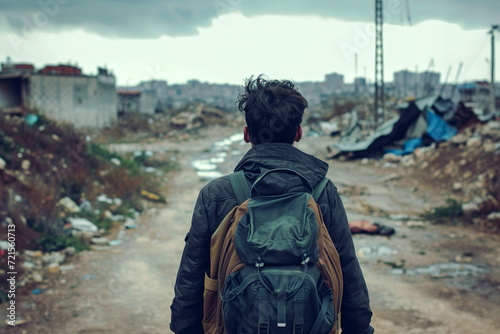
217,198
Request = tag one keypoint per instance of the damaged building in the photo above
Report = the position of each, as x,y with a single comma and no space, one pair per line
60,92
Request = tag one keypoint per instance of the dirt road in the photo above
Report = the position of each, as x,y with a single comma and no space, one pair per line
424,279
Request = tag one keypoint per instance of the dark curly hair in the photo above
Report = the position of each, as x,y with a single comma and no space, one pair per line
273,110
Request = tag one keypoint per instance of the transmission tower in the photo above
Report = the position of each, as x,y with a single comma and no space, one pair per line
379,62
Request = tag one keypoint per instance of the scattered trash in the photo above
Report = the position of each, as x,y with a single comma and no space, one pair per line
115,242
37,291
37,277
67,267
54,257
130,223
53,268
68,205
31,119
2,163
100,241
153,197
28,265
83,225
115,161
88,277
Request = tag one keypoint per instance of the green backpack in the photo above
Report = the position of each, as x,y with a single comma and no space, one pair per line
291,267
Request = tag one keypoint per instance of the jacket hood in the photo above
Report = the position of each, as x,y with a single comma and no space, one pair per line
267,156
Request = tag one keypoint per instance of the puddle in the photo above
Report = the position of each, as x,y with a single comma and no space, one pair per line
220,159
375,250
443,270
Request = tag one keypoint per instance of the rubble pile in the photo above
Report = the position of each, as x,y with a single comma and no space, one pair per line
50,173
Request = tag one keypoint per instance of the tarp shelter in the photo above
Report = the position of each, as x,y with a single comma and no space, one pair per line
418,120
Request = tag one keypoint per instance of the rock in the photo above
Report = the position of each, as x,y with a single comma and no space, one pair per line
130,223
100,241
69,251
37,277
365,161
83,225
28,265
25,164
115,161
54,257
107,214
489,147
55,137
497,148
470,209
85,206
459,139
115,242
473,141
67,267
457,186
493,216
53,268
2,163
68,205
391,157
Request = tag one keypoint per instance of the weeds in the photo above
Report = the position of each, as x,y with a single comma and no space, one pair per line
52,243
452,209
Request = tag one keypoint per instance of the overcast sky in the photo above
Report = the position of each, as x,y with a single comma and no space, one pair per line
228,40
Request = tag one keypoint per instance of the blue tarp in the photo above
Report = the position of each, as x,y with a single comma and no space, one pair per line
438,129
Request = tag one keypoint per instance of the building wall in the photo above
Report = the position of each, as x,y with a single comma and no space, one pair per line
147,102
80,100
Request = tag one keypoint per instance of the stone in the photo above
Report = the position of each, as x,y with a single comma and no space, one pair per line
473,141
100,241
55,137
37,277
54,257
494,216
53,268
2,163
25,164
470,209
69,205
130,223
365,161
457,186
391,157
69,251
67,267
116,161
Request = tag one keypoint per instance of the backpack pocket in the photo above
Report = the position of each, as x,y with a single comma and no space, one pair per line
211,306
289,299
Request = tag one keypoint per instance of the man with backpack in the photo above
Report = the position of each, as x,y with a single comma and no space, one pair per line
269,286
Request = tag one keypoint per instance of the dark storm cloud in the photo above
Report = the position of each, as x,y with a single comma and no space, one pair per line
154,18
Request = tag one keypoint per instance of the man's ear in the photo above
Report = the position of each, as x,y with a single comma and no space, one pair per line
246,134
298,134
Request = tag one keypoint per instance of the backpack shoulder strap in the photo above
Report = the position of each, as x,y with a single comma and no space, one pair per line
240,186
318,190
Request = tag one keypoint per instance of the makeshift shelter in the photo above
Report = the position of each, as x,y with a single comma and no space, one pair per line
419,123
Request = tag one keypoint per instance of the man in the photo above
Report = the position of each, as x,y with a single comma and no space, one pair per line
273,113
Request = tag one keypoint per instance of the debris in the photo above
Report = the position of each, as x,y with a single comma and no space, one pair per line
391,157
83,225
54,257
28,265
53,268
68,205
87,277
37,277
457,186
69,251
2,163
130,223
25,165
115,161
31,119
493,216
100,241
152,197
104,199
37,292
115,242
67,267
85,206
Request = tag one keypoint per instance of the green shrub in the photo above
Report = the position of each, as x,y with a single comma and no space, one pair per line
52,243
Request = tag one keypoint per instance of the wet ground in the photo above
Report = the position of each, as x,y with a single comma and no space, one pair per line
425,278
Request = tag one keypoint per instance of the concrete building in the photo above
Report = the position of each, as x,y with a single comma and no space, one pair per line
334,81
136,101
59,93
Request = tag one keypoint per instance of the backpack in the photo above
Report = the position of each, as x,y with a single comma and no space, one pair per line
273,265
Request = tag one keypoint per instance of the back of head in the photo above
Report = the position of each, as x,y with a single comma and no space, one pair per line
273,110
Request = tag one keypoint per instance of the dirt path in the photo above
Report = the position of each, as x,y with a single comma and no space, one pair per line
129,288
